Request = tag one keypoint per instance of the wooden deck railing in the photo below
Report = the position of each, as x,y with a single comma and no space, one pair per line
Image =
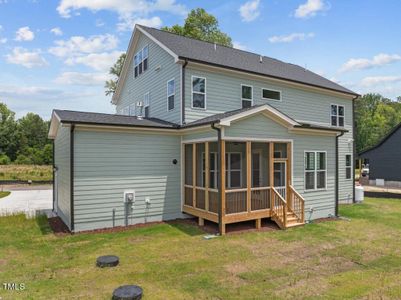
214,200
279,208
236,201
188,195
260,198
296,204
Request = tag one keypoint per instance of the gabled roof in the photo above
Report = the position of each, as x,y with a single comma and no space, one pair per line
382,141
222,119
227,57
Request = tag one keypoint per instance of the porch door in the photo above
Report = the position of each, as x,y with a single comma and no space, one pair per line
280,178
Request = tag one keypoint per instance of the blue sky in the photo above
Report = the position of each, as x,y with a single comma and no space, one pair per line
56,54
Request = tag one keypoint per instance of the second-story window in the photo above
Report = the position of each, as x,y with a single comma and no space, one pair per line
141,61
246,95
170,94
337,115
198,92
146,102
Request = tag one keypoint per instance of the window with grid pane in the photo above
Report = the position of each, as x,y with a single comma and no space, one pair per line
315,170
348,167
246,95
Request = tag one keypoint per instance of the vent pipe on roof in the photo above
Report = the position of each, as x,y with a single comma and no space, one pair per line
260,58
215,46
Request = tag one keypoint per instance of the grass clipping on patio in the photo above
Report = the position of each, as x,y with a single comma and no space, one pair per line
330,260
26,172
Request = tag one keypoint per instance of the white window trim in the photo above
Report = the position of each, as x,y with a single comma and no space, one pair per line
192,92
315,171
337,116
346,167
244,99
135,65
173,79
215,171
273,90
228,169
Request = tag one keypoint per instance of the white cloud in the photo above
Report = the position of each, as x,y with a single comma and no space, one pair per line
291,37
24,34
3,41
127,10
76,78
364,63
239,46
56,31
129,23
77,45
97,61
379,80
310,8
28,59
249,11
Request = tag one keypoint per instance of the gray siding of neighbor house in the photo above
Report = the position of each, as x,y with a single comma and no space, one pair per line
107,163
62,163
261,127
385,160
223,93
153,81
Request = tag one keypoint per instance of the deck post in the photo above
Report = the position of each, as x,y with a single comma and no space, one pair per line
201,221
271,173
289,177
258,223
248,175
222,225
207,176
194,175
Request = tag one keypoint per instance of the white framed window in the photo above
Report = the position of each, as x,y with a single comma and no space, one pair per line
233,170
269,94
141,61
212,170
198,92
170,94
348,167
246,95
315,170
337,115
146,104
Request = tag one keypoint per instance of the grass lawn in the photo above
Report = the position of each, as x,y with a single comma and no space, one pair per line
4,194
360,258
26,172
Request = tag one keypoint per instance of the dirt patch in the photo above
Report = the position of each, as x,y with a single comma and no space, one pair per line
58,227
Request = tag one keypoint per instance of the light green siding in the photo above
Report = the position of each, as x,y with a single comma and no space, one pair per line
223,93
260,127
107,163
161,68
200,135
62,163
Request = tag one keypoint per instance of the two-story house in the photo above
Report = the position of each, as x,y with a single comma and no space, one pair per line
208,131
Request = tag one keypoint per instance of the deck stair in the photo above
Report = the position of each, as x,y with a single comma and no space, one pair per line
288,212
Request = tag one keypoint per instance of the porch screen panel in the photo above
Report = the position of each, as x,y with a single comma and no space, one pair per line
260,191
213,178
200,175
188,174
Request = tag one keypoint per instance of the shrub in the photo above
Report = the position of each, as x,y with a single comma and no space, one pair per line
4,159
23,160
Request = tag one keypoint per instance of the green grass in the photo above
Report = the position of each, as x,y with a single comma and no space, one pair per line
359,259
4,194
26,172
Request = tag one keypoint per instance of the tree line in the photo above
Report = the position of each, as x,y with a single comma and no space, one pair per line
24,141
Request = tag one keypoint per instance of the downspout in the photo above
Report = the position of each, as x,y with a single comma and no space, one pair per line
219,177
353,148
183,92
72,177
337,179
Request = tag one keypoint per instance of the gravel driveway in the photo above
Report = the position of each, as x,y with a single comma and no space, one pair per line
30,202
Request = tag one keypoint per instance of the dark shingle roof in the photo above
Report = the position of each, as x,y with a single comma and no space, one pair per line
196,50
78,117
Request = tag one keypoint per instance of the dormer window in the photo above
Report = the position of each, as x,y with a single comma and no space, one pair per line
141,61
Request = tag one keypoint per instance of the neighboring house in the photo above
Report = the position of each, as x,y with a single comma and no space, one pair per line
209,131
385,159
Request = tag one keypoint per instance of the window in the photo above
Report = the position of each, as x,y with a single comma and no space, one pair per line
233,170
170,94
337,115
146,102
198,92
348,173
271,94
141,61
246,95
212,169
315,170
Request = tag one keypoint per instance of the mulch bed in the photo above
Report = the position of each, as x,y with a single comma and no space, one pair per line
58,227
